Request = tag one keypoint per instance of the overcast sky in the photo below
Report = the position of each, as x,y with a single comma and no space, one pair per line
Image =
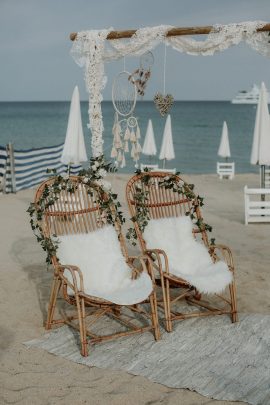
35,63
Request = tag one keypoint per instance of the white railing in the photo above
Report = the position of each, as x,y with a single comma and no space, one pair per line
257,208
150,167
267,176
155,168
226,169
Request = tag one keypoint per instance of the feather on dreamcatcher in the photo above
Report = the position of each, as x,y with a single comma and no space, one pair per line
141,75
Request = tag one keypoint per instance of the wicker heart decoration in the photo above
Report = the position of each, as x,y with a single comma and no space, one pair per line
163,103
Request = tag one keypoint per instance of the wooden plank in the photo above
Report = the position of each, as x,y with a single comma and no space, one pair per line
257,191
10,150
259,211
258,219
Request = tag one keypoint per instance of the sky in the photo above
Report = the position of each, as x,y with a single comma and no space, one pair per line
36,65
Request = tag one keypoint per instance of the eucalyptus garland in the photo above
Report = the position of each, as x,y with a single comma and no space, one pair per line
92,178
141,197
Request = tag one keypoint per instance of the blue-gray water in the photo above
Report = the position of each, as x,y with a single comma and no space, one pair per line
196,130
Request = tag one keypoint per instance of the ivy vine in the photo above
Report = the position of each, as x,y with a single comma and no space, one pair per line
93,179
141,197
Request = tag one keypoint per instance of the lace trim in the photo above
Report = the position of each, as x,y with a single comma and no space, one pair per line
90,50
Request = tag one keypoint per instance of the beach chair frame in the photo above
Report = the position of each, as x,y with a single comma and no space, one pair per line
82,214
226,169
164,203
257,205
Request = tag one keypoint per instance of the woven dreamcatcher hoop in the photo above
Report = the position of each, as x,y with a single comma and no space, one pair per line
124,94
125,129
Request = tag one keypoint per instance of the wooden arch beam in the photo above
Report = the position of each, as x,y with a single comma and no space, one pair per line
171,33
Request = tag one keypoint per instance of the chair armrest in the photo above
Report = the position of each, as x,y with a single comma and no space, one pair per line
74,271
146,264
155,255
219,251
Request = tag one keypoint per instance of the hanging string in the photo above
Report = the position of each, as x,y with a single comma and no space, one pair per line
164,69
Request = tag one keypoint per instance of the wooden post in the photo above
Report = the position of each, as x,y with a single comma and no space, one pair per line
12,167
4,191
263,181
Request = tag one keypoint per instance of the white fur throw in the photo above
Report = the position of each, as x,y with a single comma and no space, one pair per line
105,272
188,258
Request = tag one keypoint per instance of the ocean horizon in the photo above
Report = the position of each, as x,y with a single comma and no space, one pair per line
196,126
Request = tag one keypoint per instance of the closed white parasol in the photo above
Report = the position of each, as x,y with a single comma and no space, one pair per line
167,149
260,153
224,147
74,151
149,145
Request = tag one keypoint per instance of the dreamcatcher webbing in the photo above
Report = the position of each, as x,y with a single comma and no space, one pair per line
125,130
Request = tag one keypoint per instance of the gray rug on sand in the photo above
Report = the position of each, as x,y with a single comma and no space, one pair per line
217,359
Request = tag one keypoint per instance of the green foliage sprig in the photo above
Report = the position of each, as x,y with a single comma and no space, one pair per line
168,182
93,179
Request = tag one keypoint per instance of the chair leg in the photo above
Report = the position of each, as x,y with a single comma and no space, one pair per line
81,316
164,302
52,303
154,315
233,302
167,303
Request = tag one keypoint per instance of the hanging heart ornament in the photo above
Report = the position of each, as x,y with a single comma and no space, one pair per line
163,103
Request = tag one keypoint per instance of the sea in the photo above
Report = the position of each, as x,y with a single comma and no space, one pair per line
196,127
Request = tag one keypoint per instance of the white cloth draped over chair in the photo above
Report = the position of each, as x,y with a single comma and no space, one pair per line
105,272
188,258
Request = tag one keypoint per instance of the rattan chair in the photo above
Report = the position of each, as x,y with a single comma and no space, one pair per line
162,203
79,213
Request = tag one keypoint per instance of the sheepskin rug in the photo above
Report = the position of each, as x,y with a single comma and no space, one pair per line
105,271
188,258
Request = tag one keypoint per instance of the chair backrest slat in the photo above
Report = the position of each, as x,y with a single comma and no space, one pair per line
162,202
76,212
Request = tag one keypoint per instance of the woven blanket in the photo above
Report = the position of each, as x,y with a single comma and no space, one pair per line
212,356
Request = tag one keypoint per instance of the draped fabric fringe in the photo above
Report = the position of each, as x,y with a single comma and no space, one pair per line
91,49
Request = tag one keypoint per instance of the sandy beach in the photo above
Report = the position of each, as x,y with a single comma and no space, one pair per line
33,376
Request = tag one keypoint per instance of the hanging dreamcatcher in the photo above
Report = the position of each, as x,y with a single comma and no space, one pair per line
126,131
141,75
163,102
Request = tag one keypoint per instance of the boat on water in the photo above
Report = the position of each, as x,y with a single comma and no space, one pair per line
248,97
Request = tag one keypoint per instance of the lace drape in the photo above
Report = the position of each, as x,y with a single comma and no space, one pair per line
90,50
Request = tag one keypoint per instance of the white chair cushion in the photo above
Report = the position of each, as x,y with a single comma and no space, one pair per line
188,258
105,271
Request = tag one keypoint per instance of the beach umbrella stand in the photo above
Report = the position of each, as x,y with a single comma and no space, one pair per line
260,153
74,151
167,149
149,146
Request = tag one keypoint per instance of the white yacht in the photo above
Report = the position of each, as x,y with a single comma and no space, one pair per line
249,97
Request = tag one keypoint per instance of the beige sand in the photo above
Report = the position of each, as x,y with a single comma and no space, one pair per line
35,377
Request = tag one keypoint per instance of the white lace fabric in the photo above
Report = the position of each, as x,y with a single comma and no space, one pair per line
90,50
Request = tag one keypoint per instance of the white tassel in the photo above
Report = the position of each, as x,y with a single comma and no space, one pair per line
118,127
119,157
138,148
133,151
136,157
132,136
123,164
138,132
126,147
113,152
118,142
127,134
115,124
